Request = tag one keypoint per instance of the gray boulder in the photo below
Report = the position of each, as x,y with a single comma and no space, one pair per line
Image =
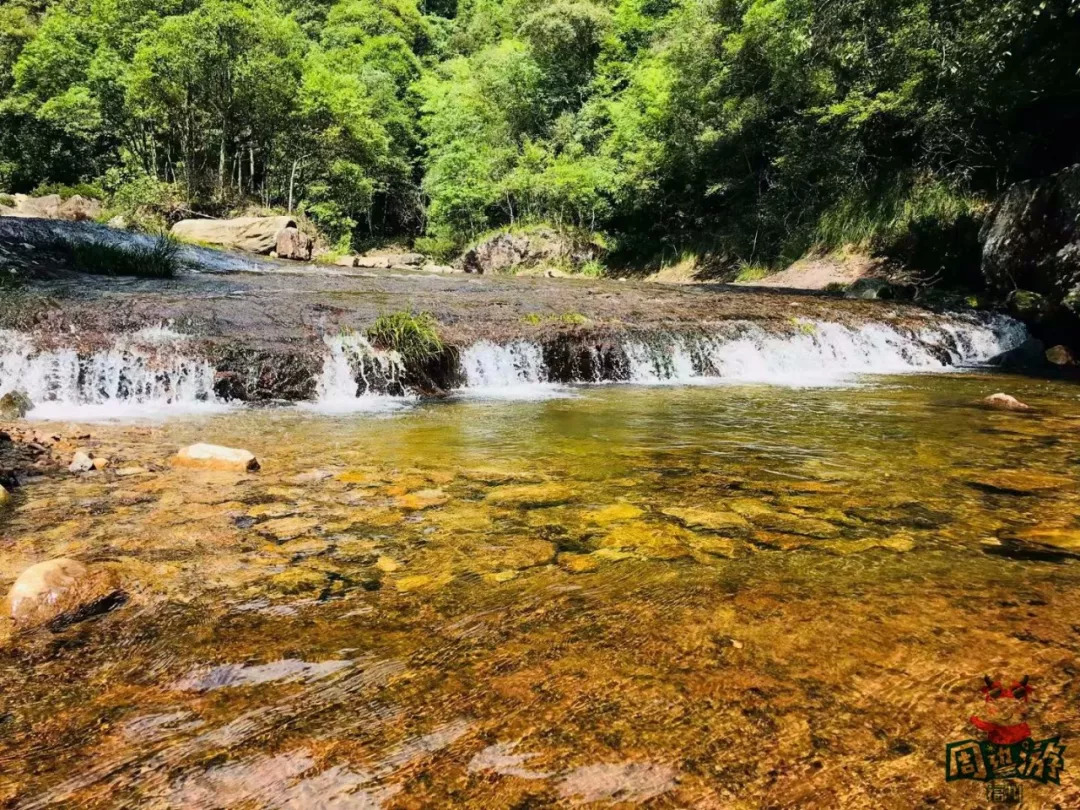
294,244
14,405
508,252
1031,242
869,289
249,234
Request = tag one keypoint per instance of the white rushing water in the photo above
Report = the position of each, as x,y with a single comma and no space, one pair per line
814,353
356,377
155,371
143,374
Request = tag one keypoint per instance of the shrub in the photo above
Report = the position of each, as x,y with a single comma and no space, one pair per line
752,272
88,190
593,268
159,259
413,335
7,199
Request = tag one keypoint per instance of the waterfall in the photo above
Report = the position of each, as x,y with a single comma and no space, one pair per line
140,374
357,377
809,353
157,370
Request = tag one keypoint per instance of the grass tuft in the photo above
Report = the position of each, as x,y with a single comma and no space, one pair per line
159,259
413,335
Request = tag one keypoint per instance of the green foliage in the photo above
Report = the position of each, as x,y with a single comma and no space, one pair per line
752,272
413,335
593,269
7,199
745,130
158,259
65,192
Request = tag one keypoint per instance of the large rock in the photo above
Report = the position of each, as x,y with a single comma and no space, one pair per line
5,496
215,457
1005,402
870,289
249,234
14,405
508,252
74,209
79,209
1031,242
294,244
59,592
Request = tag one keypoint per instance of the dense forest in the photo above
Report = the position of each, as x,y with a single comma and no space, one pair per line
748,129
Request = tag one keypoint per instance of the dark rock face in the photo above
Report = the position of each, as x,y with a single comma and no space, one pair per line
250,374
1031,250
506,252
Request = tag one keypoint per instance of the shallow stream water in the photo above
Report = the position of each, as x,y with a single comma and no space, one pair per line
717,596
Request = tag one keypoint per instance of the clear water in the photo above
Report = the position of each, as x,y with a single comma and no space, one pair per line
553,603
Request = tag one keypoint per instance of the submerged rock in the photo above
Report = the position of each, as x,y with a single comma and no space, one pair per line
15,405
786,523
527,496
1005,402
728,523
897,542
616,513
60,592
1017,482
215,457
422,499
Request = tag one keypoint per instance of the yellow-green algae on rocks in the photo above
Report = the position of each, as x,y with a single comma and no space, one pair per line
676,597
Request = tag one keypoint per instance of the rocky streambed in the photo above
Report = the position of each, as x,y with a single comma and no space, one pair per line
658,596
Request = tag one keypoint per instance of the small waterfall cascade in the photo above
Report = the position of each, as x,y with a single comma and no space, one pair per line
486,364
809,353
140,373
157,369
355,374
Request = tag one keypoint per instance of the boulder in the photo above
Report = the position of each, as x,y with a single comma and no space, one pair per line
79,209
1031,242
508,252
346,261
14,405
215,457
294,244
81,462
47,207
60,592
1028,306
1028,355
1060,356
5,496
249,234
869,289
1005,402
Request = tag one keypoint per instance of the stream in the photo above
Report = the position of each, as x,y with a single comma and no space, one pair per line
716,595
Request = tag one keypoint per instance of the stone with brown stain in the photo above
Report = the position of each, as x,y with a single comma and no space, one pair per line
215,457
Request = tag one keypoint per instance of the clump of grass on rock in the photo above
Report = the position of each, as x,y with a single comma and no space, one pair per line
158,259
413,335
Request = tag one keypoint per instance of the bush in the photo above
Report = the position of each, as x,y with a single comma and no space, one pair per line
88,190
412,335
7,199
159,259
593,268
